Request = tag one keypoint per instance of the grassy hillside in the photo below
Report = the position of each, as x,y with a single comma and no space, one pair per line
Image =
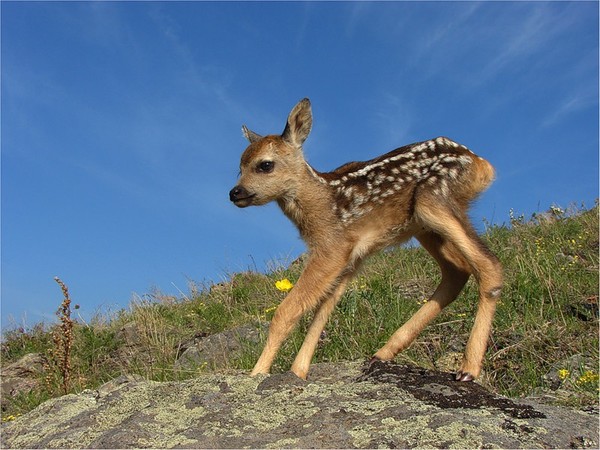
545,338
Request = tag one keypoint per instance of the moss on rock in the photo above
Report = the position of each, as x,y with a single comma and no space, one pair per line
340,407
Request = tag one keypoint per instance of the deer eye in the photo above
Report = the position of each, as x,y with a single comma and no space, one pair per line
265,166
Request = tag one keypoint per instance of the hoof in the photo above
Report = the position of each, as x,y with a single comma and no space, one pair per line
301,374
374,359
464,376
368,364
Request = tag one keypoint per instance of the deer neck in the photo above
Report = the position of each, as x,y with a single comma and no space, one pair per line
308,206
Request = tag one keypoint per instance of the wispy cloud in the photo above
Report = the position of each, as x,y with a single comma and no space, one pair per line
523,35
503,39
206,78
393,117
573,104
444,33
357,13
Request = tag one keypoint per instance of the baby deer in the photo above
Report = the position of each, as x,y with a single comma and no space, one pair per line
421,190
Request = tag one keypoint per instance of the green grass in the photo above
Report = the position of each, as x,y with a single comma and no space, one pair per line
547,316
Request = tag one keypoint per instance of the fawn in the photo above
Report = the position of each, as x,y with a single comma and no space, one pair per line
421,190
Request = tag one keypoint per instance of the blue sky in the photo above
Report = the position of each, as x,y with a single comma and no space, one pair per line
121,125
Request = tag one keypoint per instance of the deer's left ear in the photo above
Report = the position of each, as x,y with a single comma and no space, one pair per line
250,135
298,124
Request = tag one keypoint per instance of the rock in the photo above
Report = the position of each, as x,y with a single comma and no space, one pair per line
341,406
130,334
29,365
117,383
217,350
21,376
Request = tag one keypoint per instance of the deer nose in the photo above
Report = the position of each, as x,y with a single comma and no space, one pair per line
238,193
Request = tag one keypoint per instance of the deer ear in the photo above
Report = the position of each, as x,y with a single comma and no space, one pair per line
250,135
298,124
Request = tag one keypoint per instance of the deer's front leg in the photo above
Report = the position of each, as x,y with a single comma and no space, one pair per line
303,358
319,279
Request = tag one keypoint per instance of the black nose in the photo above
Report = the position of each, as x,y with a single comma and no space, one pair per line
238,193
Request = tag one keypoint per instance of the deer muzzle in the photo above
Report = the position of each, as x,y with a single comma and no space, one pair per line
240,196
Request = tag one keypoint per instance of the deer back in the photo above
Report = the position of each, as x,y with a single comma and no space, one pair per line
439,166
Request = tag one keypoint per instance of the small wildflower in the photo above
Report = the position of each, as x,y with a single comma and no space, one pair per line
563,374
270,310
557,211
284,285
10,417
359,284
588,377
362,281
514,220
538,246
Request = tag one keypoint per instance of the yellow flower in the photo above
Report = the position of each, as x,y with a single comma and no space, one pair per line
359,284
588,377
284,285
10,417
563,373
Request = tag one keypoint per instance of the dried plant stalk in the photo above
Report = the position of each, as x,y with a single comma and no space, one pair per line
63,338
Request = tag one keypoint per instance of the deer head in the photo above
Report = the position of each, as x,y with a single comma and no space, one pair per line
270,165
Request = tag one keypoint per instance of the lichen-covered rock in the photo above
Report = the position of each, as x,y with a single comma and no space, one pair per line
341,406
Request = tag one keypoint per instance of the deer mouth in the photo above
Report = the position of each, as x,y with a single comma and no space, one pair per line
241,197
243,202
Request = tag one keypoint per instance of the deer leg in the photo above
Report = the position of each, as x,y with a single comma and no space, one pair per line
304,356
320,278
485,267
455,273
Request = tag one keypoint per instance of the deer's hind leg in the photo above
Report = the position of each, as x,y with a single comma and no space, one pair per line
455,273
484,265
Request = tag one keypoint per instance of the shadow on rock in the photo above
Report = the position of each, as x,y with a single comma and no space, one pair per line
440,389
